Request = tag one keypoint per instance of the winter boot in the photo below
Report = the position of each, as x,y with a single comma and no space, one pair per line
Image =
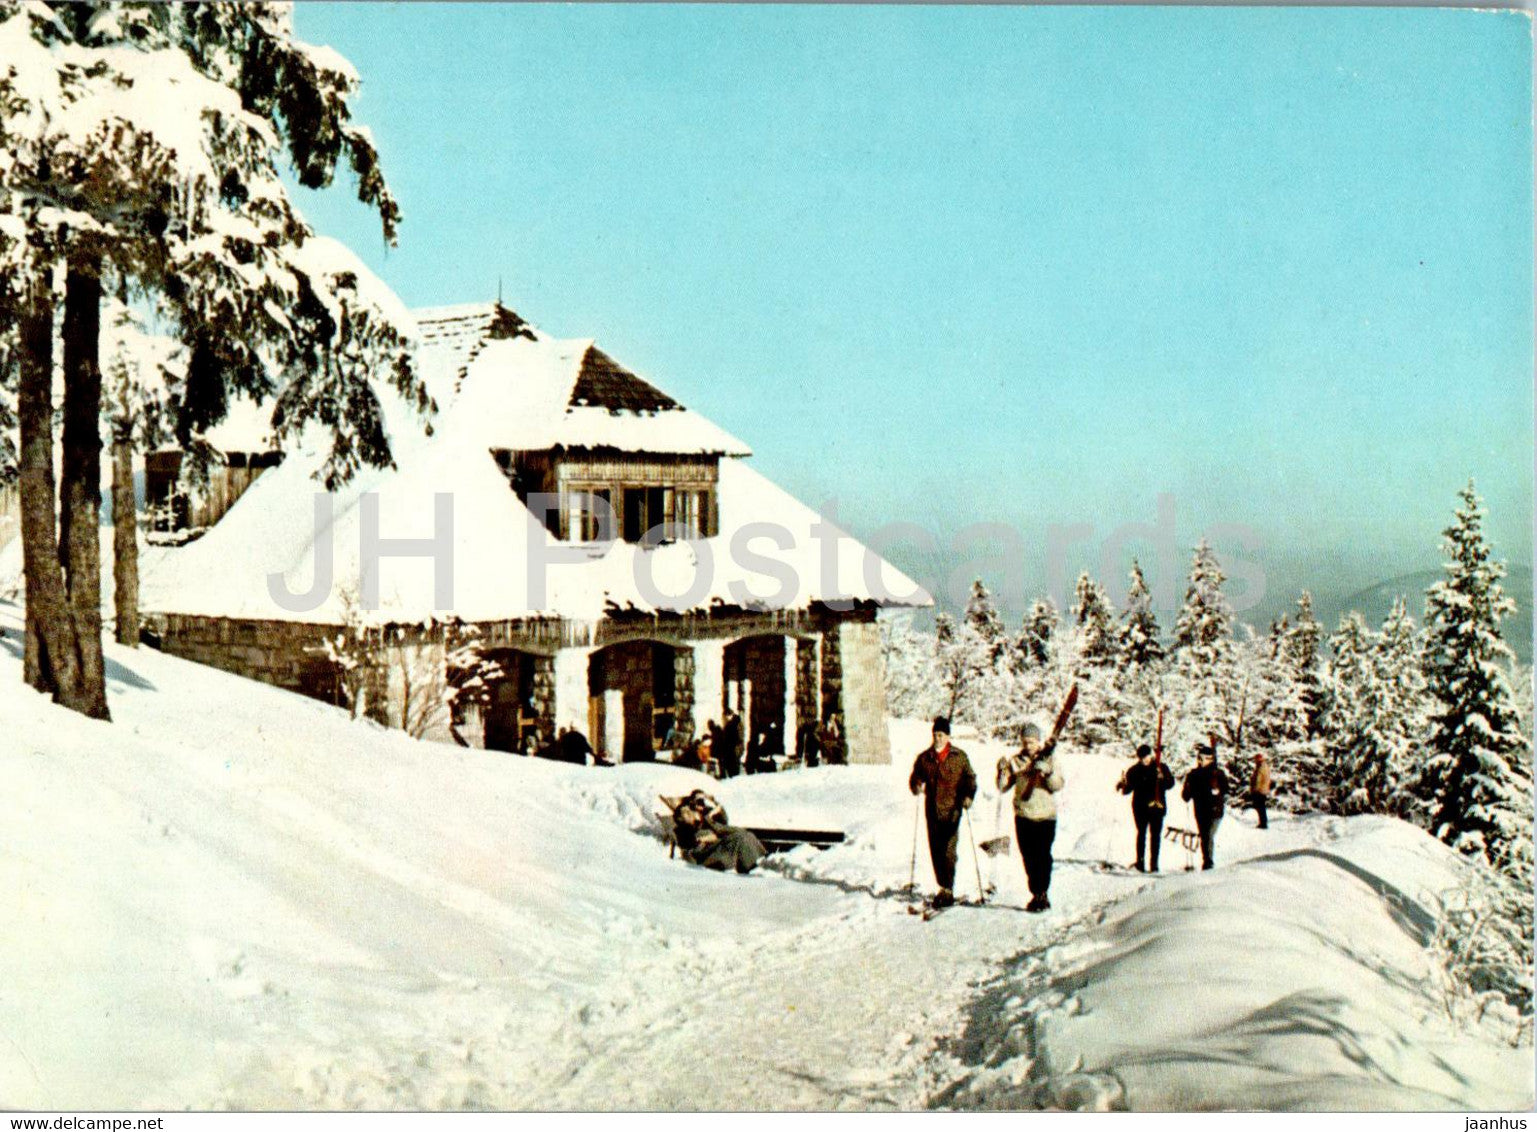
944,898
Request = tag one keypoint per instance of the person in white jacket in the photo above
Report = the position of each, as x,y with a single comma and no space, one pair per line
1036,779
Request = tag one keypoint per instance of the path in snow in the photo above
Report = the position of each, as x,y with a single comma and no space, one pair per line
231,896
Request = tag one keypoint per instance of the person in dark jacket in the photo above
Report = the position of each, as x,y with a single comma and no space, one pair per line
808,743
729,752
1206,790
943,773
760,759
1147,781
573,747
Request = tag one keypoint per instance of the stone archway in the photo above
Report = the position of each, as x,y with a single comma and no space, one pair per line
518,705
633,703
756,686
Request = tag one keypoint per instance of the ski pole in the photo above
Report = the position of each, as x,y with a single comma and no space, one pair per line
975,864
912,868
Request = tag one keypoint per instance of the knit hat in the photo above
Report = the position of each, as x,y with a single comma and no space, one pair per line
1143,751
1032,730
942,725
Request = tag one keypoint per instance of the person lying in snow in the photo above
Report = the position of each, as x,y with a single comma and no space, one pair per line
706,838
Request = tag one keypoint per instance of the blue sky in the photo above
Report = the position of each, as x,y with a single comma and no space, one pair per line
1029,267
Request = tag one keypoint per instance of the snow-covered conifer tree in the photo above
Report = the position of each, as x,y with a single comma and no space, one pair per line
911,667
1300,645
1203,654
1475,783
142,145
1038,633
1349,774
1140,639
983,619
1095,622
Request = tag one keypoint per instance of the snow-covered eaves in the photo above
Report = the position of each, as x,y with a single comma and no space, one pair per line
496,560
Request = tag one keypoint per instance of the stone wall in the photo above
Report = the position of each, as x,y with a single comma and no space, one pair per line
807,702
836,674
832,693
865,734
284,653
544,694
683,692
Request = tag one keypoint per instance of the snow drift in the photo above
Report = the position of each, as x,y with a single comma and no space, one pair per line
234,897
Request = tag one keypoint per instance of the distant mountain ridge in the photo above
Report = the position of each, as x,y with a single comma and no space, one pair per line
1376,602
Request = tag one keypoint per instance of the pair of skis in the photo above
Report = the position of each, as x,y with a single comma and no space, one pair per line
927,909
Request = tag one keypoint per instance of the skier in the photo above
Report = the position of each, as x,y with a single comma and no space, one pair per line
1206,790
1259,789
707,838
943,773
1035,778
1147,781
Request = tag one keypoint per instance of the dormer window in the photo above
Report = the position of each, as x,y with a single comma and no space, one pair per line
636,497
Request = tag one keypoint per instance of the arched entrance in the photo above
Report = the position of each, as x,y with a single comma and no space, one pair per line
631,689
755,685
508,714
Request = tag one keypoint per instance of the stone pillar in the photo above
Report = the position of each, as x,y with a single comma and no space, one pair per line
709,675
832,692
683,691
792,716
544,695
805,683
865,736
569,673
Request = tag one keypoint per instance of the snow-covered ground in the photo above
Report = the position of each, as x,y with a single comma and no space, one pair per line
233,897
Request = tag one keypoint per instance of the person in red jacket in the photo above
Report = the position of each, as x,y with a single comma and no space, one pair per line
943,773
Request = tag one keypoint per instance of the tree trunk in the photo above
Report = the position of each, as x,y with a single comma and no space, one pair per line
125,544
80,478
52,661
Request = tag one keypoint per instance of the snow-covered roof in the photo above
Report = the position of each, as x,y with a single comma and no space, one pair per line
504,564
531,391
502,384
526,390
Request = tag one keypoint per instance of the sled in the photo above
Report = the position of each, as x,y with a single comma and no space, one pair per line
1185,838
775,839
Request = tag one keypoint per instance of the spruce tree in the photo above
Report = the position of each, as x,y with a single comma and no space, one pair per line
1096,623
164,178
1399,707
1300,645
1351,776
1475,785
983,619
1203,654
1038,633
1140,636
